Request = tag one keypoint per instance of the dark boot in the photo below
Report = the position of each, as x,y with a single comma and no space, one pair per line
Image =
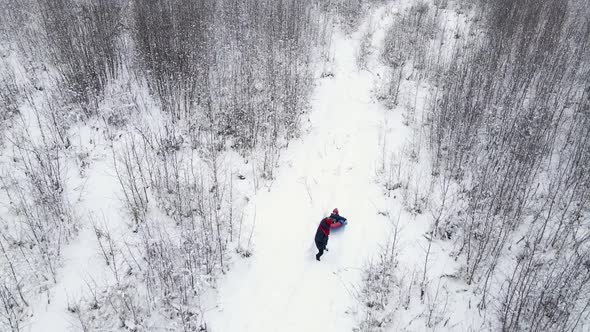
319,254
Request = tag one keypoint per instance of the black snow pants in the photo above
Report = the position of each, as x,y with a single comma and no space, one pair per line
321,241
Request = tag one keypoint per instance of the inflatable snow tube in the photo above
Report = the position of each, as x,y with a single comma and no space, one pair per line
338,224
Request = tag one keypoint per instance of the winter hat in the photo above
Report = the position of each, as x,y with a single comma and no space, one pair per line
335,211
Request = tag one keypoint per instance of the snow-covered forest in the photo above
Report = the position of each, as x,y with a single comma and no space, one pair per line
164,165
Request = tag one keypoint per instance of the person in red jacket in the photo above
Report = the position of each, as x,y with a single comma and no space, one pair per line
321,236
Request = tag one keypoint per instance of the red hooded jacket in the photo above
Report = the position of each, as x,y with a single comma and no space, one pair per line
325,225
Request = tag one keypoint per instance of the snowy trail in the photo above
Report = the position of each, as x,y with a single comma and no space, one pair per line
331,166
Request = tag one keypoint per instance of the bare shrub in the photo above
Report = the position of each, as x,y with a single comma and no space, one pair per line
44,221
380,282
407,43
158,276
408,37
508,128
222,70
9,96
83,39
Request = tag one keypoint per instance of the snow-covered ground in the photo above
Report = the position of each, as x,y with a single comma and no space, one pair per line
347,137
282,287
97,197
360,150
